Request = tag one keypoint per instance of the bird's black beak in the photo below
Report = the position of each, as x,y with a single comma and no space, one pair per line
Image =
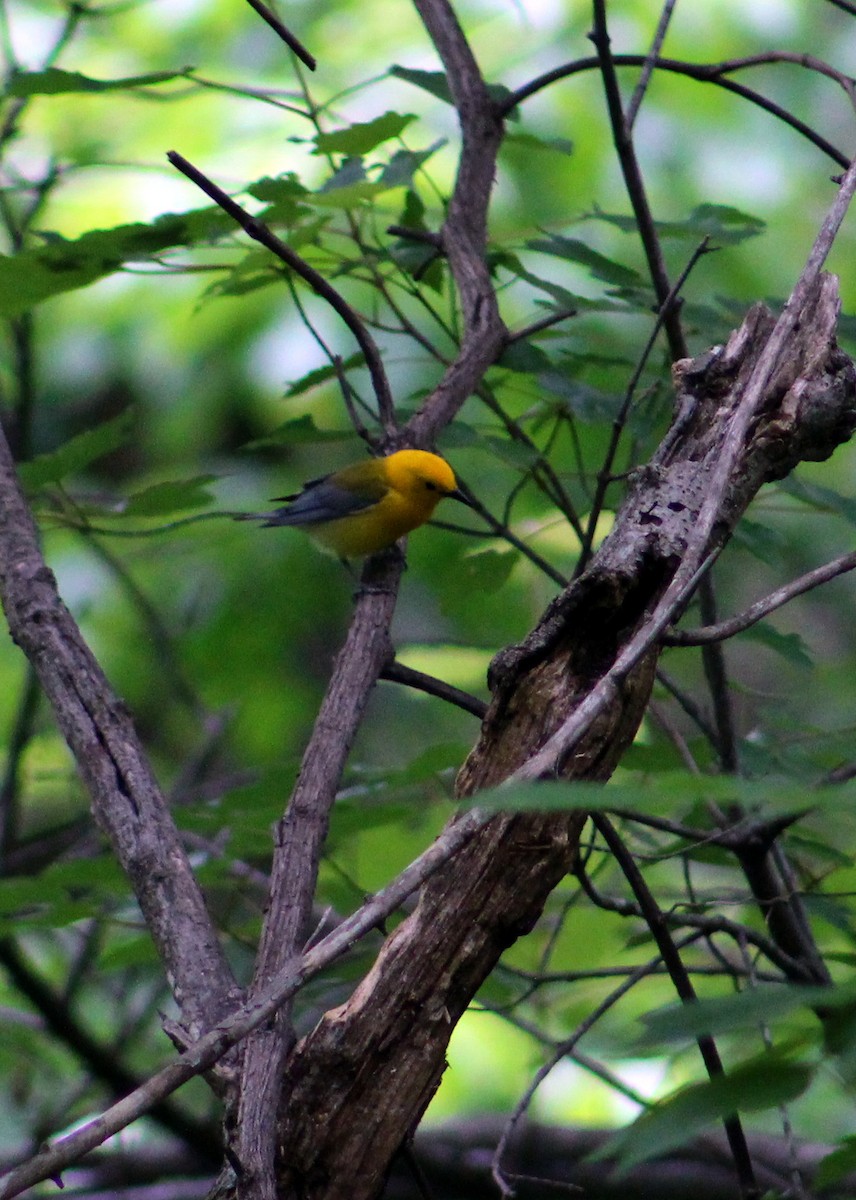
457,494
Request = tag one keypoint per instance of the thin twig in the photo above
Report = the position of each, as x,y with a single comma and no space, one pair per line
202,1054
19,739
633,181
528,331
688,704
704,73
259,232
716,675
287,36
762,608
670,954
650,63
604,476
397,672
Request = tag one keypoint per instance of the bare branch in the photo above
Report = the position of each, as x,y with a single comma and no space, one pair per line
762,608
126,799
300,838
202,1054
397,672
464,234
716,674
267,14
650,63
705,73
623,141
259,232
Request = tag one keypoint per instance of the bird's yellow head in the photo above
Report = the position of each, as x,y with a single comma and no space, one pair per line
420,474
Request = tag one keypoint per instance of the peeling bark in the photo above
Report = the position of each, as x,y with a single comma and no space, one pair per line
359,1082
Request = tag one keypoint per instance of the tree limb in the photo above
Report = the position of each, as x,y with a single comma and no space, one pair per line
126,800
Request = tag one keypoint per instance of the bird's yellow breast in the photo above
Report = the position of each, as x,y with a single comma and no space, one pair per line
415,482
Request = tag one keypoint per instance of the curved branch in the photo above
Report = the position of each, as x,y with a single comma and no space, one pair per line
762,608
396,672
464,233
702,72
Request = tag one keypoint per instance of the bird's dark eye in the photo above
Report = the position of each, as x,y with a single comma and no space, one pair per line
432,487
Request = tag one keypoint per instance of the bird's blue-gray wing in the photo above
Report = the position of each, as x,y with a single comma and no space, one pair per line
322,500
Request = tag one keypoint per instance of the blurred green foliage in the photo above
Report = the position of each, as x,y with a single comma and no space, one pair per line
162,372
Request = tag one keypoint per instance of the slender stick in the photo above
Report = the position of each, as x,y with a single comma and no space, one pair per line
287,36
656,923
202,1054
260,233
633,181
762,608
703,72
650,63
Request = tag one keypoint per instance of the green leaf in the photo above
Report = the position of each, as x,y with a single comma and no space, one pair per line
525,357
255,270
300,430
529,141
563,298
725,1014
822,499
719,222
360,138
321,375
350,172
53,81
584,401
61,894
285,197
761,541
487,571
62,264
599,266
169,497
404,164
789,646
430,81
665,793
347,187
763,1083
435,82
837,1164
77,454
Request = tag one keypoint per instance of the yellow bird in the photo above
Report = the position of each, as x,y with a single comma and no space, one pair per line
368,505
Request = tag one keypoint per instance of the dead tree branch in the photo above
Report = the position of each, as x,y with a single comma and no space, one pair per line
342,1124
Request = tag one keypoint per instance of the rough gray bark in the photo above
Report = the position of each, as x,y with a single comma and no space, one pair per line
357,1085
126,800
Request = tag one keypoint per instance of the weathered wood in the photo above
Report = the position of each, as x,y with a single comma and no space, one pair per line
358,1083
